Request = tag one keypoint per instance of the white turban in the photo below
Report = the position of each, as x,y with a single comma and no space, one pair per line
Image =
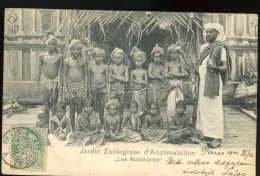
117,51
221,36
135,52
75,44
50,38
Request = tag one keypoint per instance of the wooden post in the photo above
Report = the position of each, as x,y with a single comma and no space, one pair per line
245,24
232,54
198,43
245,62
253,63
240,68
34,63
34,21
233,29
20,18
226,24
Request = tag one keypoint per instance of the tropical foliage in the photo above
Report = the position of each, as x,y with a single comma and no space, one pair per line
78,23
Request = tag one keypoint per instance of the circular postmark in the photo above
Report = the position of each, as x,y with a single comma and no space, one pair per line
20,147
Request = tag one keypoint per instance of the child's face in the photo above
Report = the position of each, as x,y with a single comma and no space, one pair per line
180,109
118,59
51,46
133,108
157,58
88,108
138,62
75,52
153,109
112,110
98,58
60,113
174,54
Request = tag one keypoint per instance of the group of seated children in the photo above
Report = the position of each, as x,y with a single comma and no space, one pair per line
134,127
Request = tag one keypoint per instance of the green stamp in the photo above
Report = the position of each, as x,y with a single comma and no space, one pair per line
25,148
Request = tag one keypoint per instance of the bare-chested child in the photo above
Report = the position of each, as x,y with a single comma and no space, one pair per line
180,127
153,124
75,79
174,72
156,75
117,77
97,74
112,121
50,76
139,79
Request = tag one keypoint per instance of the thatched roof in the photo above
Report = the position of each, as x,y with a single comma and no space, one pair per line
78,23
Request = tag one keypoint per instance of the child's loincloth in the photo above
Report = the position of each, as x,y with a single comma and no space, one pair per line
131,136
76,89
99,90
116,89
154,135
49,84
184,135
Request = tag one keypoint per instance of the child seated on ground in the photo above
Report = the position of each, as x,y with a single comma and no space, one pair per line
112,121
153,125
88,127
60,126
180,127
132,124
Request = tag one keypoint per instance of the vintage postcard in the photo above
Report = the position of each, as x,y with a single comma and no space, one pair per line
91,92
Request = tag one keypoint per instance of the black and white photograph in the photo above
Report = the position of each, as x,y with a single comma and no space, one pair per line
132,92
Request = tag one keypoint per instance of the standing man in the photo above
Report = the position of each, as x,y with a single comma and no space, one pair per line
214,66
50,76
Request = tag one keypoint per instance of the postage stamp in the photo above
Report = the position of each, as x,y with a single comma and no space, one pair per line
25,148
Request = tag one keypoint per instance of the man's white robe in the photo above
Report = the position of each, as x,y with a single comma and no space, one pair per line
210,110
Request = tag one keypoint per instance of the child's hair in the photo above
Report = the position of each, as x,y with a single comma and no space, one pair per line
112,102
98,50
134,102
60,105
89,101
181,103
169,57
156,104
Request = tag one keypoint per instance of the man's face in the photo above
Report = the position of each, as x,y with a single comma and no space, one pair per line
51,46
118,59
211,35
112,110
157,57
98,58
75,52
153,109
174,54
133,108
138,62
